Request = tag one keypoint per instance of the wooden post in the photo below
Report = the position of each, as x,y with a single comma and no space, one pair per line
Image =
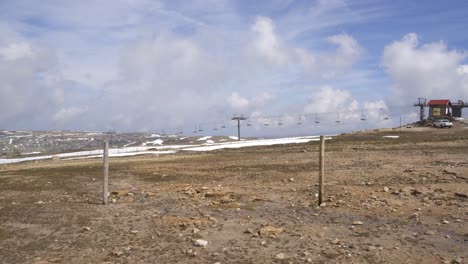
321,168
105,158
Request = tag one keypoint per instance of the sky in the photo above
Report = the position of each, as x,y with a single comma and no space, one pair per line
143,65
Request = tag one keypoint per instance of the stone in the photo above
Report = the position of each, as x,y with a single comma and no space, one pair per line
134,232
200,243
117,253
386,189
86,228
280,256
445,222
249,231
150,194
120,192
270,230
291,179
462,195
430,232
358,223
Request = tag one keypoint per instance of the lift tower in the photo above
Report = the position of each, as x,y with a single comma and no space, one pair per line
238,118
422,102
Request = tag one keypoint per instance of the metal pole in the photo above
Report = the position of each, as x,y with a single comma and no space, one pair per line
238,129
321,168
105,158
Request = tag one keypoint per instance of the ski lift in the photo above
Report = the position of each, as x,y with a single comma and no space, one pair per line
215,128
363,117
299,122
316,118
223,126
386,118
338,120
280,123
249,123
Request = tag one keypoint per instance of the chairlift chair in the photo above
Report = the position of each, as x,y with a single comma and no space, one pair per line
299,122
363,117
316,119
338,120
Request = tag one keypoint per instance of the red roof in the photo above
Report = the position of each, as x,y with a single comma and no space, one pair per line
439,102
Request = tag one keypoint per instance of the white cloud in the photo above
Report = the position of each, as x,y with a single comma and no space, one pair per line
328,99
30,83
348,52
68,114
430,70
237,102
375,110
267,43
329,65
16,51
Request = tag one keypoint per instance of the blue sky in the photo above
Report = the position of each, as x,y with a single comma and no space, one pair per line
141,65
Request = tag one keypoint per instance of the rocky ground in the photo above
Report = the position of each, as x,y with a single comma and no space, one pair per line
388,200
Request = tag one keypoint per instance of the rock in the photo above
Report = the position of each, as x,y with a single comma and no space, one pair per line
358,223
117,253
120,192
195,230
134,232
270,230
430,232
371,248
216,194
280,256
449,172
445,222
200,243
40,202
323,205
212,219
249,231
386,189
204,188
150,194
114,200
291,179
86,228
462,195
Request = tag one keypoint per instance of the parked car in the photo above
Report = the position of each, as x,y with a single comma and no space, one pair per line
443,123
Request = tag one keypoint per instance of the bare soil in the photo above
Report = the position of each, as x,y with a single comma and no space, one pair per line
400,200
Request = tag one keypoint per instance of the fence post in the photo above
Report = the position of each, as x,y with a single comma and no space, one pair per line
321,168
105,158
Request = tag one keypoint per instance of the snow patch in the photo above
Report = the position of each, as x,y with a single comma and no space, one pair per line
155,142
204,138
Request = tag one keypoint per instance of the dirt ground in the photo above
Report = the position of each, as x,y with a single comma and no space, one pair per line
388,200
